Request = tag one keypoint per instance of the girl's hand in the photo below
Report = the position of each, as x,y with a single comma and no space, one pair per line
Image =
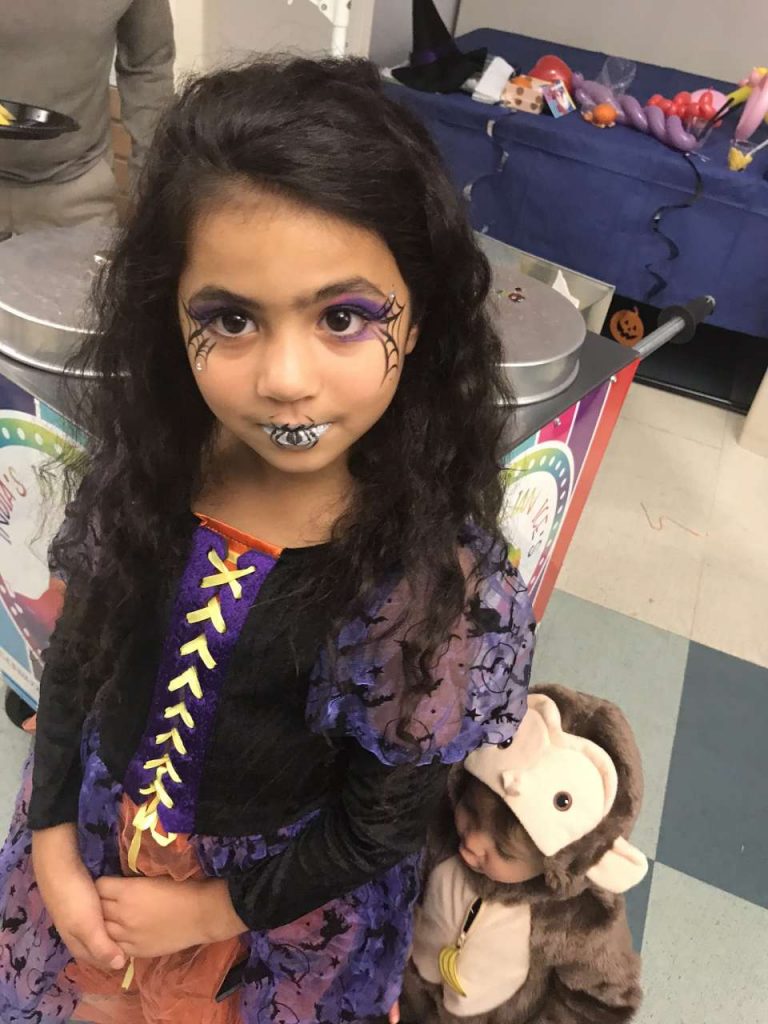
150,917
71,899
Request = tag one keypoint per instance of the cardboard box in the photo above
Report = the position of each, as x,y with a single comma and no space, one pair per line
525,93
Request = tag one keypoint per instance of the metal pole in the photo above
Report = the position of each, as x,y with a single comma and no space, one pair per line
659,337
337,12
340,27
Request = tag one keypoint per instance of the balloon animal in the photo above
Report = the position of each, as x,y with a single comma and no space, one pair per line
754,89
651,120
753,92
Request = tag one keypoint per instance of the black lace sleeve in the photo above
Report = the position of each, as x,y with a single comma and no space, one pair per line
380,816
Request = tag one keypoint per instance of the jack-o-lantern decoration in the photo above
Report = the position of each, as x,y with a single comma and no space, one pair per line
626,326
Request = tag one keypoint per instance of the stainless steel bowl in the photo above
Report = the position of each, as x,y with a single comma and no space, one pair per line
45,281
541,332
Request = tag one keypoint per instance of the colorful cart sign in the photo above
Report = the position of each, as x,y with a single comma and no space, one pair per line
33,438
548,478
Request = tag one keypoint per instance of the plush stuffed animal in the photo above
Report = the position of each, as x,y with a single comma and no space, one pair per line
523,919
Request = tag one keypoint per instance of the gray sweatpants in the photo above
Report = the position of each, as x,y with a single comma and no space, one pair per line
89,197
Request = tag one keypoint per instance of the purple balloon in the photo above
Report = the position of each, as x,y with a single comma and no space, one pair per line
630,112
634,113
582,97
678,137
594,92
657,123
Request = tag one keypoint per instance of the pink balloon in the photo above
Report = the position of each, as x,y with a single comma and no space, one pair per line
755,110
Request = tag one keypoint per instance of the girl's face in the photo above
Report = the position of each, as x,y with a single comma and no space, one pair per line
296,326
508,858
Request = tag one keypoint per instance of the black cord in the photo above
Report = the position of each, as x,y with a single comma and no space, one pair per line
660,282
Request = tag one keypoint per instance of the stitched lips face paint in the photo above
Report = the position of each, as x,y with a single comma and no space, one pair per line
300,438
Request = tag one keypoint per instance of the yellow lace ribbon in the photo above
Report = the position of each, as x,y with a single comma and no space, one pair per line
147,817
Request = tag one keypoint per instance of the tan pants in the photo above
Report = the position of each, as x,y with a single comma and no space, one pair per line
89,197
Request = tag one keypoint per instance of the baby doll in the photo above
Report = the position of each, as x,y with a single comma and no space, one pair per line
526,922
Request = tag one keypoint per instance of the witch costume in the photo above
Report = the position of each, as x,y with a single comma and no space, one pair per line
229,744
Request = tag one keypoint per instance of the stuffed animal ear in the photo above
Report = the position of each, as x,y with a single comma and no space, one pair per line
620,868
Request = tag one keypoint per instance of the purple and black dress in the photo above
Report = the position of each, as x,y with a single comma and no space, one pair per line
229,745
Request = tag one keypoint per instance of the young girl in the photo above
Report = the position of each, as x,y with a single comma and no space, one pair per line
289,607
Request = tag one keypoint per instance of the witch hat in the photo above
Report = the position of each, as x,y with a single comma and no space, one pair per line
436,62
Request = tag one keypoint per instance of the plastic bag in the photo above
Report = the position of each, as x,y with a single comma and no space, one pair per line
617,74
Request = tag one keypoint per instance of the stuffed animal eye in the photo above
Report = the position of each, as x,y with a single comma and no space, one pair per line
506,743
562,801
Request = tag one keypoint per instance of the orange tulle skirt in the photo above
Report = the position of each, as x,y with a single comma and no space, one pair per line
175,989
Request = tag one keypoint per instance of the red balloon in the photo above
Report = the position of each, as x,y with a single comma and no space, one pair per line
550,68
656,100
692,111
707,106
683,98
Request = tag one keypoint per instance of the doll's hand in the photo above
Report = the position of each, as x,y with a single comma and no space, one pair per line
150,917
394,1013
71,898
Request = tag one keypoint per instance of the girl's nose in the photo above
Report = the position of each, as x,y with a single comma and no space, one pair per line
286,373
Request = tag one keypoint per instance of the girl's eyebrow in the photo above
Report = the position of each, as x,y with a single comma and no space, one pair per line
216,293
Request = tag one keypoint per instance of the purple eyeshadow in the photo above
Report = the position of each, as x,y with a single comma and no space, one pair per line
371,307
205,311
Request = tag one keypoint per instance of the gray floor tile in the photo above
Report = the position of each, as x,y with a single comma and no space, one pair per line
14,747
703,955
637,907
639,667
715,823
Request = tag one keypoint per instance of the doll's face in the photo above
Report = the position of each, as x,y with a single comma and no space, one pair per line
296,326
502,854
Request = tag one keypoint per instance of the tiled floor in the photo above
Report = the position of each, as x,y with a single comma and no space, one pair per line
673,531
663,607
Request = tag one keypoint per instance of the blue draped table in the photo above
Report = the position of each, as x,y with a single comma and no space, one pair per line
585,198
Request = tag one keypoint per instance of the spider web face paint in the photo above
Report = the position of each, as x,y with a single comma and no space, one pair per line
388,321
199,342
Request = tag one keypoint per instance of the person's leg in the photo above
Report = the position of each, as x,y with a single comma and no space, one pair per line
89,198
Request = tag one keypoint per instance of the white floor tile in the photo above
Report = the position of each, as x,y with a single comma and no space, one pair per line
732,611
642,540
704,955
683,417
738,530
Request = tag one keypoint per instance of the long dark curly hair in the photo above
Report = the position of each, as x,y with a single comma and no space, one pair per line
323,134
